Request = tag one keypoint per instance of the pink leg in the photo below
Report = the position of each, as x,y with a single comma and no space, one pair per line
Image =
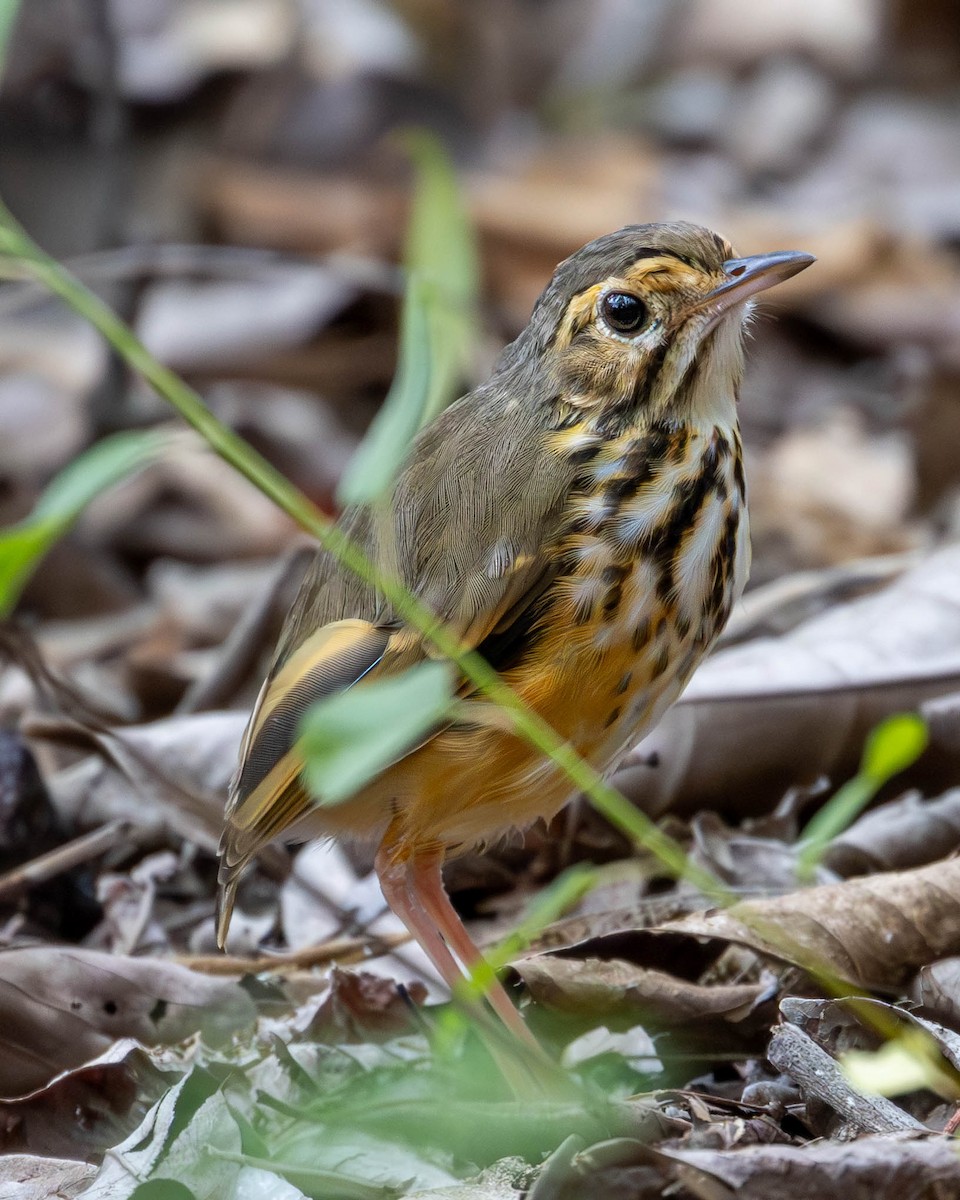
395,883
414,890
427,882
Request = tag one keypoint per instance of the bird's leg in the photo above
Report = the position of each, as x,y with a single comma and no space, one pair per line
413,888
427,881
395,883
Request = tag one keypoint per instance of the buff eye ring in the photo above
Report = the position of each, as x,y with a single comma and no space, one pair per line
623,313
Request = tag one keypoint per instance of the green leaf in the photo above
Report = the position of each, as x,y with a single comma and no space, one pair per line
349,738
372,468
436,321
893,746
8,16
66,496
441,248
903,1064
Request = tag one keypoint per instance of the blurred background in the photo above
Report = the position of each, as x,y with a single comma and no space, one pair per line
222,172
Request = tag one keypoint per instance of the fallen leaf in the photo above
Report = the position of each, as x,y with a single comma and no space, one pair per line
84,1110
907,832
870,932
60,1007
903,1165
28,1177
600,988
174,771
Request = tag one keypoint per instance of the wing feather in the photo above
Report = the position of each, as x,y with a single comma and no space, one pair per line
470,531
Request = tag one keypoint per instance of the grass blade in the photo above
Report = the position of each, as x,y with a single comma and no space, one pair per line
111,460
894,745
371,470
8,17
441,248
436,322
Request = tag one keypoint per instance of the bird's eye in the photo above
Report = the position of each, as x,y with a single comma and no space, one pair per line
623,312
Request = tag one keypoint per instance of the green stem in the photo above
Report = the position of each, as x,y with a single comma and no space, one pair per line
16,243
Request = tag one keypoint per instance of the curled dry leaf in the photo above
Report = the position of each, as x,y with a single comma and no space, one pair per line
898,1165
907,832
60,1007
86,1109
872,932
598,988
833,1024
776,712
361,1007
856,1024
29,1177
937,990
746,861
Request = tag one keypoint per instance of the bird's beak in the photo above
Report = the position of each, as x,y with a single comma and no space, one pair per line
745,277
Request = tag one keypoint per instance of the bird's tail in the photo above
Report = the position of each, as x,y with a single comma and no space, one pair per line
226,897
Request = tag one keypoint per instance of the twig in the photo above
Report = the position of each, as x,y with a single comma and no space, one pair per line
341,950
65,858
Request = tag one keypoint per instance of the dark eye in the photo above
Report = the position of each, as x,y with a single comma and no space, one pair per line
623,312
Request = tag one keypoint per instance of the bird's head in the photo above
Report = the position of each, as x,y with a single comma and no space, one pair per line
647,323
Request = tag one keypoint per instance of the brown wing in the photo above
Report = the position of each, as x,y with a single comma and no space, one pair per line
473,544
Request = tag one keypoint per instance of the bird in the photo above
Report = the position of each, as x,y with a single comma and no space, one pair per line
579,519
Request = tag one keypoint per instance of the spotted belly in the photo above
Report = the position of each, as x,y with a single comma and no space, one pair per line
654,552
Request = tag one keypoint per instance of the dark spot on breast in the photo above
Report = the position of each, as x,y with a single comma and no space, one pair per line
624,684
641,636
661,660
730,536
565,418
626,487
710,459
678,445
738,474
613,717
611,601
665,540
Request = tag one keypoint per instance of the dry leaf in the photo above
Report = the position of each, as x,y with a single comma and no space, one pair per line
871,932
907,832
600,988
904,1165
937,990
28,1177
172,772
82,1111
61,1007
